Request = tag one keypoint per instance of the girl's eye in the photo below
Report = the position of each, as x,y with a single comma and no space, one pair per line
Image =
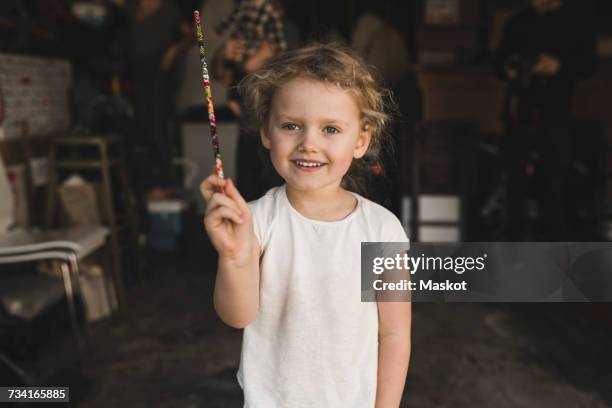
331,129
290,126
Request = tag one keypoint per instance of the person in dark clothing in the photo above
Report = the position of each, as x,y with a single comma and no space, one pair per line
544,50
157,34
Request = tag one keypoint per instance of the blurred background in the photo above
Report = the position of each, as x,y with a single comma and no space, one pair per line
106,275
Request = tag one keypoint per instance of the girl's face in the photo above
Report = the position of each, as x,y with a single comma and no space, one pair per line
313,134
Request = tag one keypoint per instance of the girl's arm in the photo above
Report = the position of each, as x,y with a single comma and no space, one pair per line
236,294
394,322
229,224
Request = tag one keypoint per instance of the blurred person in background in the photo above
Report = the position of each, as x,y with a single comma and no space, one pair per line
253,33
157,35
382,46
544,50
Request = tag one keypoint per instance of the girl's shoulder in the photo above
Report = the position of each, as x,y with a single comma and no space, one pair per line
373,209
383,223
267,202
265,211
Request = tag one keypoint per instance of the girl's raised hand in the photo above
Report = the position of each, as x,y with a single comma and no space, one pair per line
228,219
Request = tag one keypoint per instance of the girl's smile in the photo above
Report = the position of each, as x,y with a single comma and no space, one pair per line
308,165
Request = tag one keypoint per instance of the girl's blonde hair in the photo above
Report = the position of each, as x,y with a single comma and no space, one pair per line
337,65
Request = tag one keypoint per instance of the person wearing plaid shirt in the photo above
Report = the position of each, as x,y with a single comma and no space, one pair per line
254,21
254,33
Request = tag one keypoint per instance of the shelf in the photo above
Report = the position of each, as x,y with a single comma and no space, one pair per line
86,141
84,164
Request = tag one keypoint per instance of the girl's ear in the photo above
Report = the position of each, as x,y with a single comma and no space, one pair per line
363,142
264,137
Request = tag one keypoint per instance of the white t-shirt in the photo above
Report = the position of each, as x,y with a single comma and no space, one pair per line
313,342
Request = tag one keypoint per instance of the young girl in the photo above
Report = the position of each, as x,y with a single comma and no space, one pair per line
289,263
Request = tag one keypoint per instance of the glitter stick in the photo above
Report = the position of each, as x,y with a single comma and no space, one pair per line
208,93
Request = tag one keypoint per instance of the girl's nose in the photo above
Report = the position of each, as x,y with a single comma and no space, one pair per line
308,143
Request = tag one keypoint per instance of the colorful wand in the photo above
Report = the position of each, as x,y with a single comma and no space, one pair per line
209,102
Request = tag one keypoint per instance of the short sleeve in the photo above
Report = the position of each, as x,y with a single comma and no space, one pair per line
394,230
264,216
385,228
258,224
395,233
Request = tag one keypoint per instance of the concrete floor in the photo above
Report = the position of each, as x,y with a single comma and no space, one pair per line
172,351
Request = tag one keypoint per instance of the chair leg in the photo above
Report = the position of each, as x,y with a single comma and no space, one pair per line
76,275
66,275
109,282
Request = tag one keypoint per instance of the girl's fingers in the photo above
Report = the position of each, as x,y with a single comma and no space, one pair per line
233,193
211,185
219,214
221,200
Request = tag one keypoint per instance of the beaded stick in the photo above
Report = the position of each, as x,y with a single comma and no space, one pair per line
209,101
